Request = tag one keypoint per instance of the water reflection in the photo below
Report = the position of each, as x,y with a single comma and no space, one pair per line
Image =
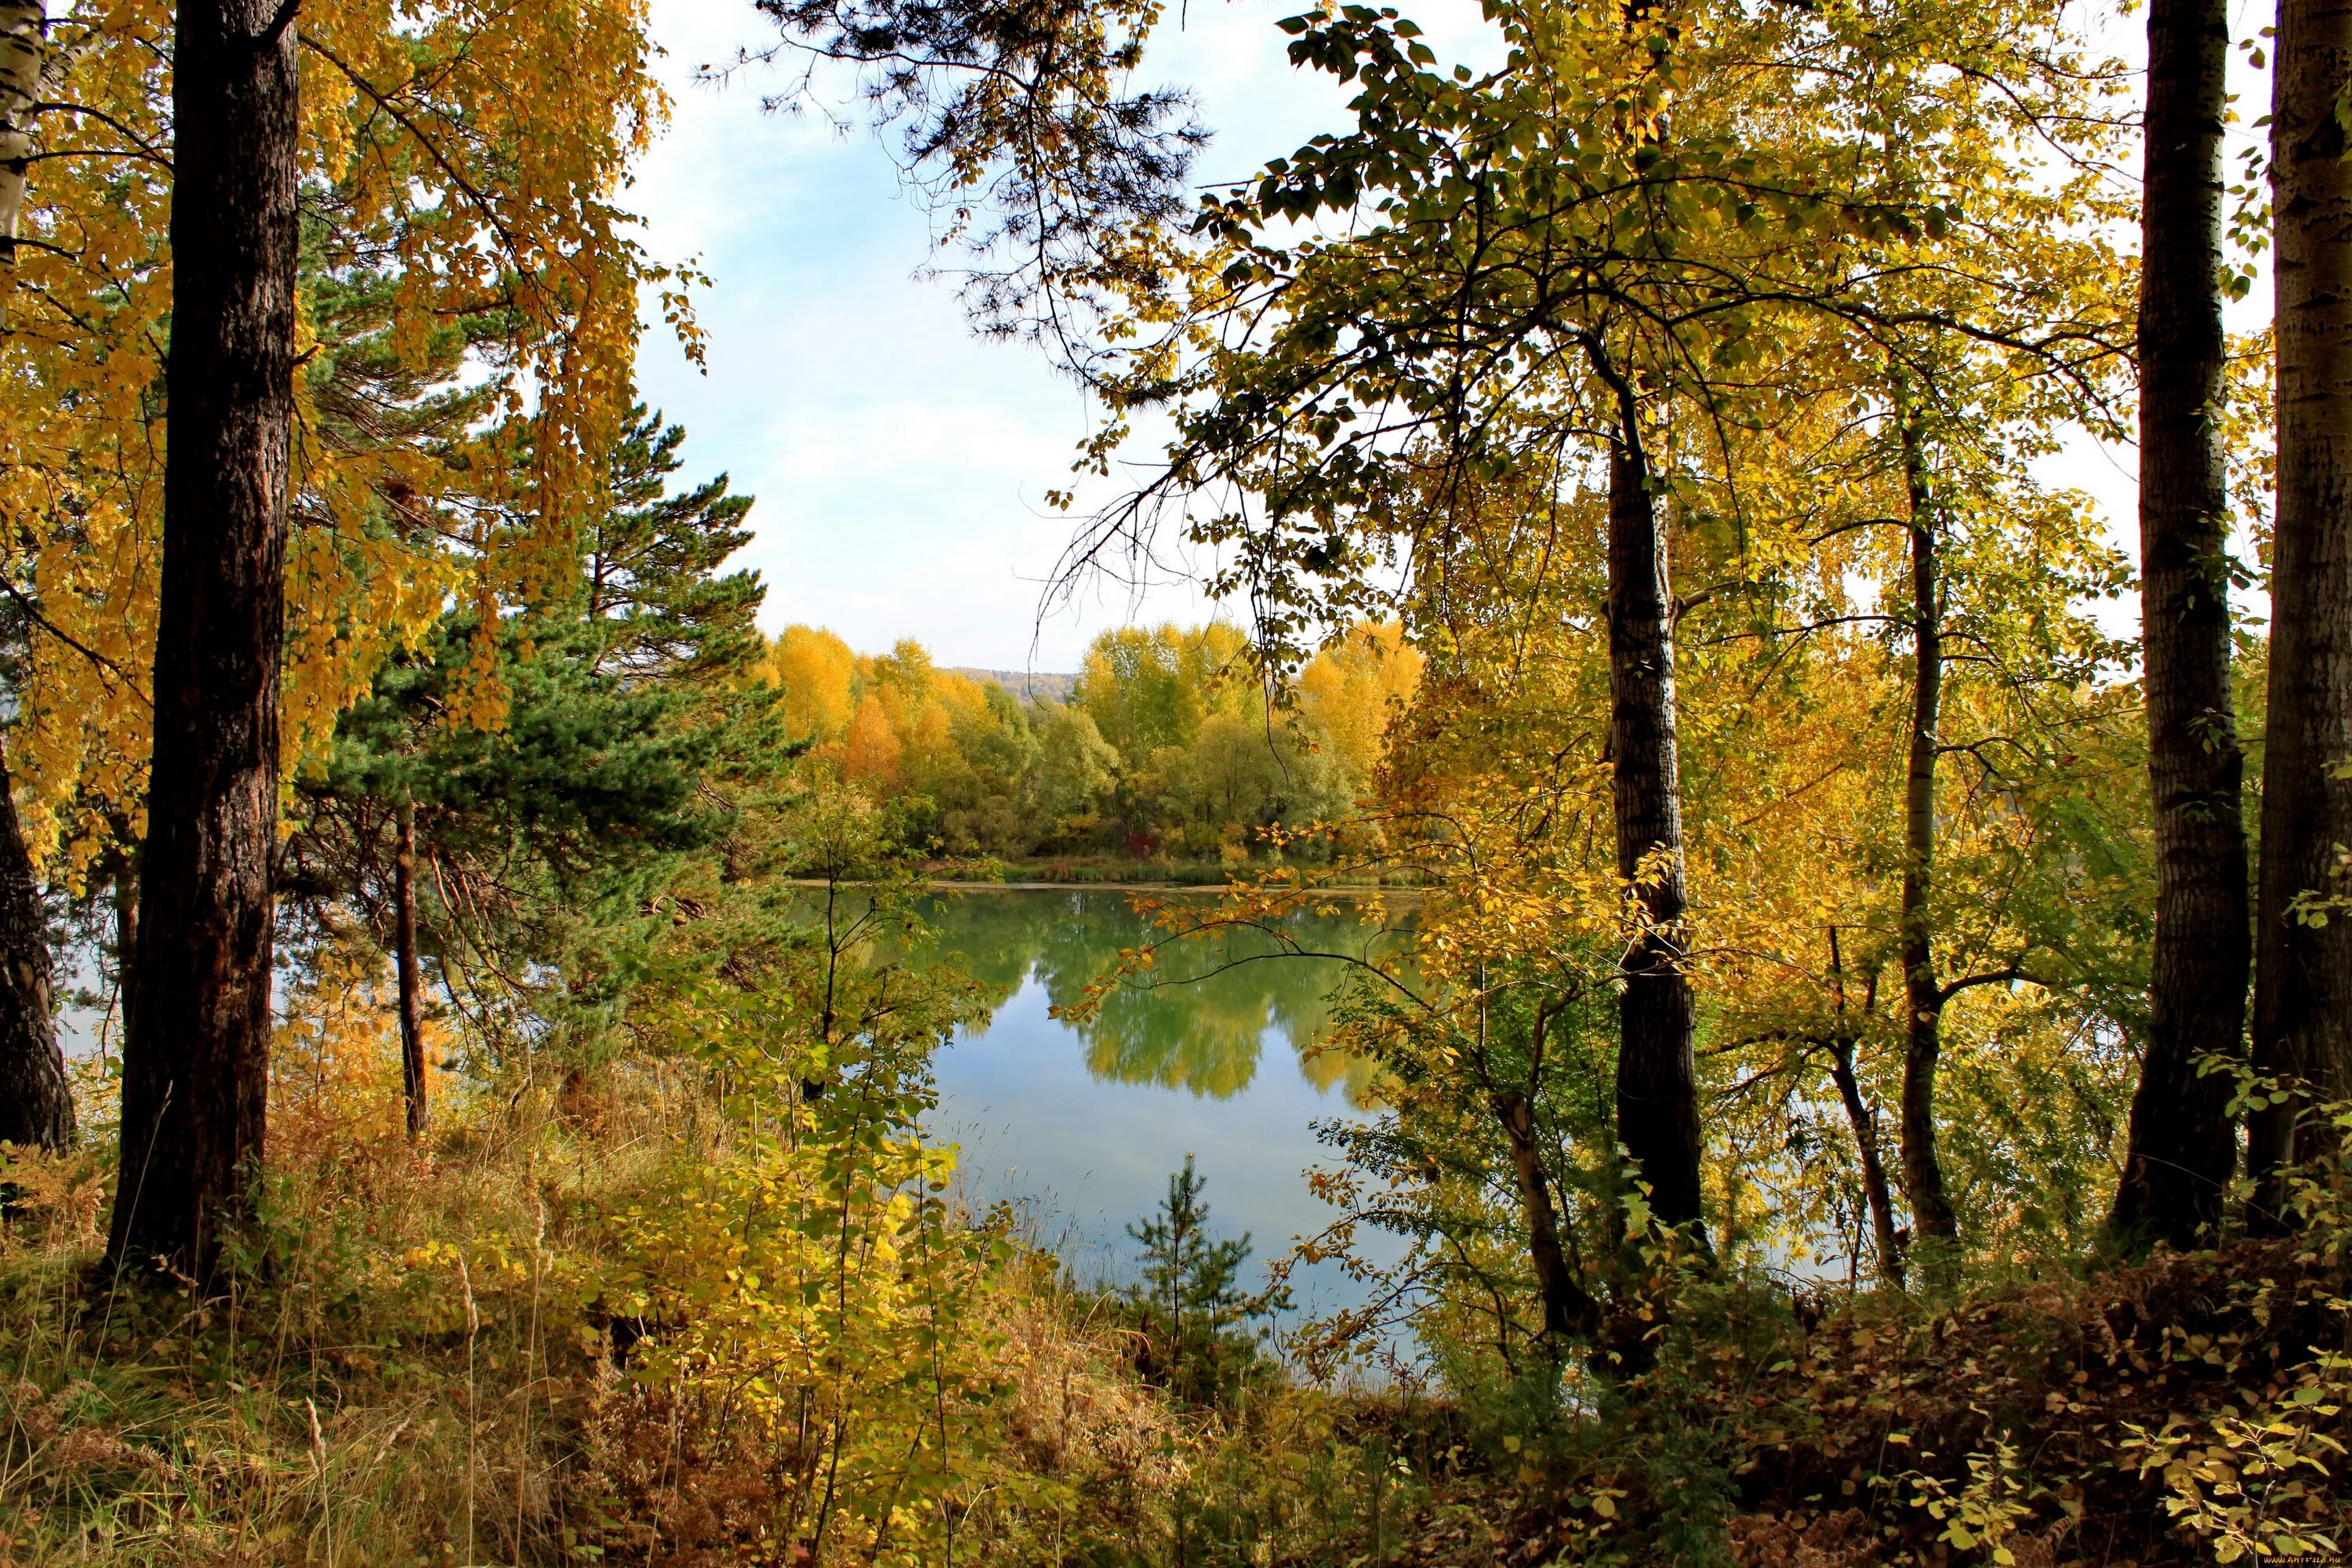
1217,1057
1200,1021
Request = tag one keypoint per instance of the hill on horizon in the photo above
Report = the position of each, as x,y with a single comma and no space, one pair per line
1024,684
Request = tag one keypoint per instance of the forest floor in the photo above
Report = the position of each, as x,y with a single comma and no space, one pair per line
2186,1410
429,1362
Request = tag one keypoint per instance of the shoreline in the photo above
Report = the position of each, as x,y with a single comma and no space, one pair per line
954,885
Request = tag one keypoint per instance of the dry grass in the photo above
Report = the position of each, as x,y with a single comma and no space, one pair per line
418,1364
400,1372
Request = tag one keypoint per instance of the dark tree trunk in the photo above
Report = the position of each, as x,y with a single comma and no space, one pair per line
36,1101
1923,996
2303,970
403,944
1657,1082
1863,1118
1569,1309
2178,1161
196,1061
1875,1190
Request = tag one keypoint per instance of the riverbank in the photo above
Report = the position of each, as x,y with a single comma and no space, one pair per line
601,1322
1141,879
1144,876
703,1309
449,1357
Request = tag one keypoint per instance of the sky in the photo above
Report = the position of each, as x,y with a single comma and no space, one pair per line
900,464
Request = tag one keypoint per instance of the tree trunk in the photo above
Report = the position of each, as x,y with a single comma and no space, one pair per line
1864,1120
1874,1189
196,1061
403,943
24,50
36,1101
1923,997
2178,1161
2303,970
1569,1309
1657,1081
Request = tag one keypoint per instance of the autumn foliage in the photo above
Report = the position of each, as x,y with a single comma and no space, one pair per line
1168,750
1805,1123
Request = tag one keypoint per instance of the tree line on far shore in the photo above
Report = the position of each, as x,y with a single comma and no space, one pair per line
1171,748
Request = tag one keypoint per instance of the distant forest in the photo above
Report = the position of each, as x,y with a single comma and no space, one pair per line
1024,684
1168,747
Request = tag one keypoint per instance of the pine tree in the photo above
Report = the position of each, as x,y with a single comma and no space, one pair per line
494,852
2178,1162
2303,953
650,566
1189,1296
195,1061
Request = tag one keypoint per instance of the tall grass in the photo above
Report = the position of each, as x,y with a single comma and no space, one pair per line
544,1337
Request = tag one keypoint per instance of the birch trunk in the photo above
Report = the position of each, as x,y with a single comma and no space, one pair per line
1657,1081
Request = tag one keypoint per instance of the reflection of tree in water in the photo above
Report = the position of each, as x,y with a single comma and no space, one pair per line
1199,1021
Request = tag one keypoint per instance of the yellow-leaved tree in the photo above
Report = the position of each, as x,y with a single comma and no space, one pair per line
1352,690
443,193
367,344
468,319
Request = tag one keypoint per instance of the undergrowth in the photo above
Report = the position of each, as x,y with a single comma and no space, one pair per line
2189,1409
610,1321
639,1316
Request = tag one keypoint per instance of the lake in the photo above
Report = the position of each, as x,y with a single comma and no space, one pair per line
1213,1056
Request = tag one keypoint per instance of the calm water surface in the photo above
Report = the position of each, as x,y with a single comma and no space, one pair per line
1216,1057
